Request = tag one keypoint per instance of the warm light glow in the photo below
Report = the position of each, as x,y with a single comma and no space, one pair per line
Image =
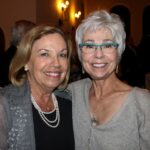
59,8
71,14
67,3
78,14
67,12
64,5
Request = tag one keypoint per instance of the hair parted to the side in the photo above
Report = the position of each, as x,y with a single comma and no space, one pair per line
101,19
17,74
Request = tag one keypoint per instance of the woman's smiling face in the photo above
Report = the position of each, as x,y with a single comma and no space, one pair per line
48,63
100,64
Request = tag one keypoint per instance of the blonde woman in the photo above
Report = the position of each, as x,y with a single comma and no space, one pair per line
38,118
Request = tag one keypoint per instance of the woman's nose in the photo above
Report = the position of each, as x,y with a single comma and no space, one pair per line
98,52
56,62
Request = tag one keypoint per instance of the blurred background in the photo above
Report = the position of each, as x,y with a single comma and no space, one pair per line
52,11
68,14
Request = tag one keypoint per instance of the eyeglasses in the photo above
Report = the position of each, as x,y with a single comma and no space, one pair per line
107,47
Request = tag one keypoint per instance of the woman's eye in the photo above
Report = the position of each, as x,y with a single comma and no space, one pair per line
90,46
64,55
44,54
108,46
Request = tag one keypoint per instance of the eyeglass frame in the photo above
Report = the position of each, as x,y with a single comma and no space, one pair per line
81,45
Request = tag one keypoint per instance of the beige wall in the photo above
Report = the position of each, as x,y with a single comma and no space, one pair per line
39,11
48,12
13,10
136,8
44,11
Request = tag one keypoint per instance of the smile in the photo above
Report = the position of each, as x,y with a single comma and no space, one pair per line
54,74
99,65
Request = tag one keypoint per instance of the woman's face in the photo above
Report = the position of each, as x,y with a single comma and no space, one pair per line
48,63
101,63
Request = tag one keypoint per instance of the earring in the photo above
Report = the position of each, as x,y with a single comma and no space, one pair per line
116,70
83,71
26,68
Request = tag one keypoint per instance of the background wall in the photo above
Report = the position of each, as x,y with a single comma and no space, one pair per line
45,11
135,7
13,10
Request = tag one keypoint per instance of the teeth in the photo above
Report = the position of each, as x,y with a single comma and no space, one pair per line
98,65
53,74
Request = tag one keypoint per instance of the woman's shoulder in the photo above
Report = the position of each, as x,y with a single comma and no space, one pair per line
14,90
141,97
141,92
15,94
80,83
63,94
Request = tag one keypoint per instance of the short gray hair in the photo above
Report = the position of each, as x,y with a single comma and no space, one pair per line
102,19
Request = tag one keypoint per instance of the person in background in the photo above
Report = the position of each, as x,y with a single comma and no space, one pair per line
2,41
143,55
19,28
3,111
38,118
108,114
2,50
129,68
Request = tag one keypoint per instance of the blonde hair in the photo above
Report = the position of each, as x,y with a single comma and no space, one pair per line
17,74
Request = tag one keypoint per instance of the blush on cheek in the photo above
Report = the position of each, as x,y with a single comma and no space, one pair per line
85,58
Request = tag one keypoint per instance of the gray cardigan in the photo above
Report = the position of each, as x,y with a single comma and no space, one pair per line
21,128
3,124
129,129
20,117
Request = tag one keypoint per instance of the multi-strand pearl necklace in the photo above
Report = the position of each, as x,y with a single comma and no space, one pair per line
51,123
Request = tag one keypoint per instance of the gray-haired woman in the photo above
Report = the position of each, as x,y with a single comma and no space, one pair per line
108,114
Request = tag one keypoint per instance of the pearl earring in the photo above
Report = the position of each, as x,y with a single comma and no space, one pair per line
83,72
26,68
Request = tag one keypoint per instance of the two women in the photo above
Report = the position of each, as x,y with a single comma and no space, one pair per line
107,113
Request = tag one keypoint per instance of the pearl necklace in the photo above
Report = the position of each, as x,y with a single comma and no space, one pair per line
51,123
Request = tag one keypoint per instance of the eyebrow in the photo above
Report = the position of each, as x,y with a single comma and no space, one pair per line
105,40
49,50
65,49
88,41
42,49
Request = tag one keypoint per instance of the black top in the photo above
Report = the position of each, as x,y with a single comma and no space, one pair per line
59,138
